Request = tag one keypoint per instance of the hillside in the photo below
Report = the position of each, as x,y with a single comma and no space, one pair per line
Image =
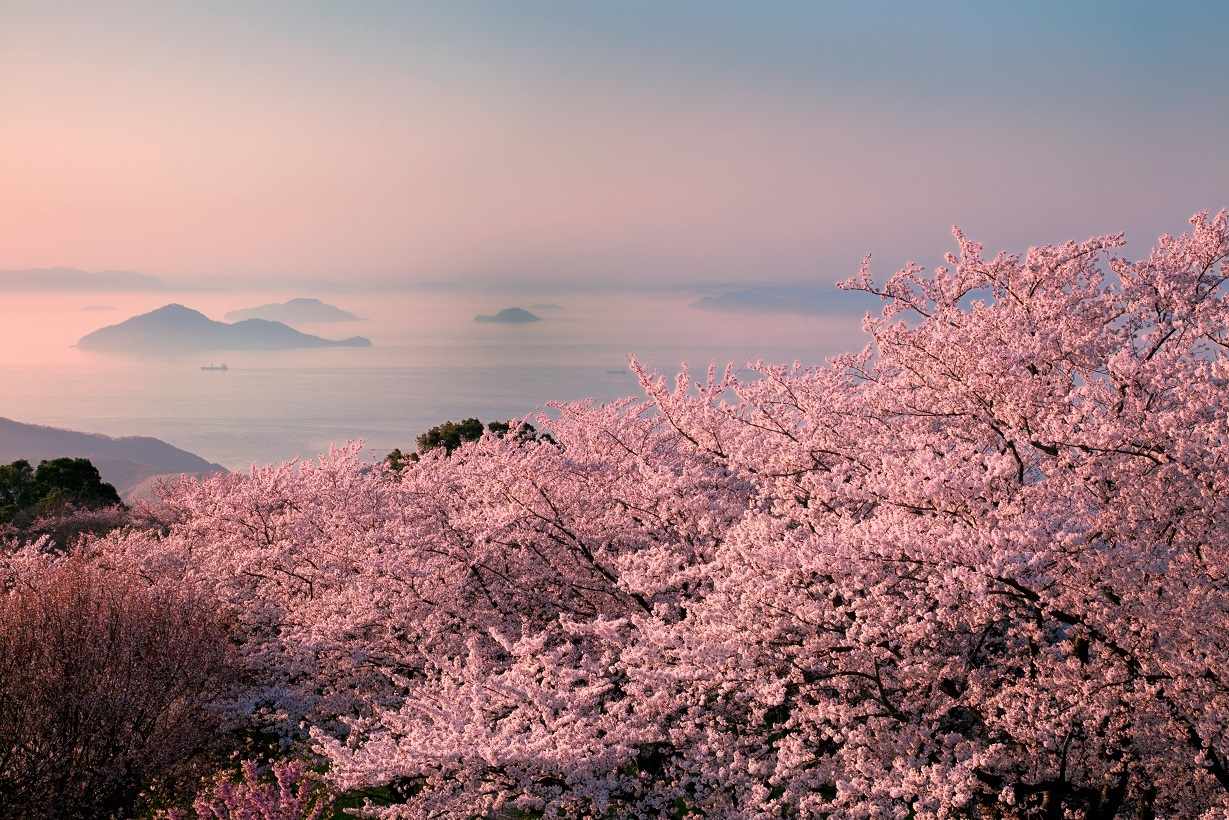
129,462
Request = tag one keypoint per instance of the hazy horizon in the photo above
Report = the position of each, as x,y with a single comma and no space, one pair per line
430,361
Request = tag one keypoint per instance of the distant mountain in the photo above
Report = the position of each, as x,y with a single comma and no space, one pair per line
177,329
129,463
296,310
59,279
546,306
804,300
510,316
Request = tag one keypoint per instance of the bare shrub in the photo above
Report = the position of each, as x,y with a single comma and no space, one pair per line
105,683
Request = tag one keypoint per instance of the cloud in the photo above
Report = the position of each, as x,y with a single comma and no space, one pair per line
71,279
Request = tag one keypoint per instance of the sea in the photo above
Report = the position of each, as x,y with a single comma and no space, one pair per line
430,361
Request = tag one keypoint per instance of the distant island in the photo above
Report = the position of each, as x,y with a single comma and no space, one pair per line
509,316
178,329
797,299
69,279
295,310
546,306
132,464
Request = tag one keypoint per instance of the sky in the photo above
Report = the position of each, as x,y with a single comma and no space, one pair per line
593,145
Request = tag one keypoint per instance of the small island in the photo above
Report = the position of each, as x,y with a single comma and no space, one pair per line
509,316
302,309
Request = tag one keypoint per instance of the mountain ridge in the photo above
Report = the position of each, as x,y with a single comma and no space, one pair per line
75,279
128,462
299,309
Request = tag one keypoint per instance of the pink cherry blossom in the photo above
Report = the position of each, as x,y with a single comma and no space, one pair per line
292,793
980,568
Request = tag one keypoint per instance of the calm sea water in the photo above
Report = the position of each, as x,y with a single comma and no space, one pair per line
430,362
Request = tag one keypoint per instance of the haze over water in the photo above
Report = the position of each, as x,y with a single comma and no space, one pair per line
430,362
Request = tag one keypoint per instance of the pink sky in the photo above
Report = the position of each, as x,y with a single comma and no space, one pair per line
238,148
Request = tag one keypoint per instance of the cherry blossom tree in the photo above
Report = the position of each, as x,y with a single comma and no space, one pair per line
980,568
294,793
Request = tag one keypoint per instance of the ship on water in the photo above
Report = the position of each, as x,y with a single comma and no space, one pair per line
212,366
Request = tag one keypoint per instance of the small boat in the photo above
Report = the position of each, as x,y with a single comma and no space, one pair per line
211,366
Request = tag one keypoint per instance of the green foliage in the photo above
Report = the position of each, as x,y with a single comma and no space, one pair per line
452,434
57,484
17,490
398,460
346,804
